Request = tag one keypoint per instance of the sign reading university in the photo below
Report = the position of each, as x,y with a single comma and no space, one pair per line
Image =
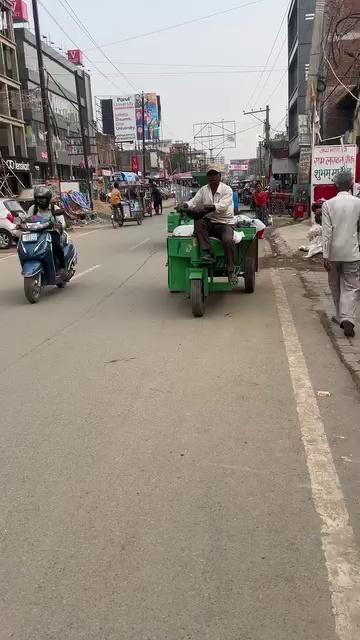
17,165
124,119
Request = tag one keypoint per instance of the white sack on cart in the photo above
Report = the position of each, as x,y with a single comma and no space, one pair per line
255,222
238,236
187,230
184,231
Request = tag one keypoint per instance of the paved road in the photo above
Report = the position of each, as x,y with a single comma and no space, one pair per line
166,478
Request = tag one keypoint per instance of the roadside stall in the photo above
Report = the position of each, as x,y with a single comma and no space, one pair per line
132,198
281,203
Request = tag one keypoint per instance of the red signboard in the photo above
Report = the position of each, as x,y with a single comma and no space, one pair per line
135,166
20,11
75,56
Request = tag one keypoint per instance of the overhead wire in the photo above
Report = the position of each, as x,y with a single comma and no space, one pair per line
270,54
183,24
272,68
77,46
254,126
73,15
178,73
277,86
276,128
259,67
85,30
348,90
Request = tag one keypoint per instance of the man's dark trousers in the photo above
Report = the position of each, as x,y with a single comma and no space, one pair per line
204,229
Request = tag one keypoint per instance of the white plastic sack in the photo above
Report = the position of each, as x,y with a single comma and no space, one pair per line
184,231
314,249
255,222
238,236
187,230
243,218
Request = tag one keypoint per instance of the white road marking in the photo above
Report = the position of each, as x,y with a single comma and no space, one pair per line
337,535
83,273
13,255
87,233
139,244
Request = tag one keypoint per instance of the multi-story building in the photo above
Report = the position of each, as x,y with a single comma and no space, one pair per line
64,109
300,27
335,70
12,131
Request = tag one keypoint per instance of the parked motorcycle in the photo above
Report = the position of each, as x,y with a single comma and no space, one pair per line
37,260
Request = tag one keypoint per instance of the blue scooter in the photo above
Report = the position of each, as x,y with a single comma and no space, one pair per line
37,260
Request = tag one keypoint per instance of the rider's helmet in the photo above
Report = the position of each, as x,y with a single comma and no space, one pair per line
42,197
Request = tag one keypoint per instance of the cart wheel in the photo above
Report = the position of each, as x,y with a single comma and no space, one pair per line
114,222
197,298
121,221
249,274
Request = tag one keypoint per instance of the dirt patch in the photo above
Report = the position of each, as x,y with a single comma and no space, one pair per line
281,258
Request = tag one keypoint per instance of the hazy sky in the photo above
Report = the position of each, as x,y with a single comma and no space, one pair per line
180,64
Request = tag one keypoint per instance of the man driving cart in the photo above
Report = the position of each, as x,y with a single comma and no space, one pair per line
212,209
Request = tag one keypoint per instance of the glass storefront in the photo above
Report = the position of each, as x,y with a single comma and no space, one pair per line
61,74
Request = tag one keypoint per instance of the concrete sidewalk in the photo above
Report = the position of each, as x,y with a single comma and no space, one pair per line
292,236
286,242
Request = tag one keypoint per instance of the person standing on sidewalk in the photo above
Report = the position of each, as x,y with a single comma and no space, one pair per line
340,223
261,200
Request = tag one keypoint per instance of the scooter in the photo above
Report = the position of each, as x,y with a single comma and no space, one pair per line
37,260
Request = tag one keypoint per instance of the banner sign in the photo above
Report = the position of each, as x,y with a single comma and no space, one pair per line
135,164
20,11
328,161
304,167
124,119
151,116
75,56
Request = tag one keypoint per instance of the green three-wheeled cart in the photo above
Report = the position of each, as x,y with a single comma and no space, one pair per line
187,273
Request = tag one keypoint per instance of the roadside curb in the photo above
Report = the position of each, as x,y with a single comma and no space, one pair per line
279,245
347,350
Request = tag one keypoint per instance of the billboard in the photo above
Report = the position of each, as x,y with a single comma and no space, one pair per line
124,118
152,116
328,160
243,166
239,165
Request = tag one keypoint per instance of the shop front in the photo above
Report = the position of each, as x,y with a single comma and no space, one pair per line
16,173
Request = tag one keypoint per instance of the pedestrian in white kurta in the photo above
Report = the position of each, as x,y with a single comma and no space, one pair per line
340,233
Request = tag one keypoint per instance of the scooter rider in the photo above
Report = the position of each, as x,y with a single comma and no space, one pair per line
44,207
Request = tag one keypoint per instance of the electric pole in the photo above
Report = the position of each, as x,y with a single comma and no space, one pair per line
84,138
267,135
143,134
44,94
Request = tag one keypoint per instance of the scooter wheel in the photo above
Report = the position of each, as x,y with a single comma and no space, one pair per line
32,288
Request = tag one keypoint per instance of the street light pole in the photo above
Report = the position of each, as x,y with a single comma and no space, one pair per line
44,94
267,126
